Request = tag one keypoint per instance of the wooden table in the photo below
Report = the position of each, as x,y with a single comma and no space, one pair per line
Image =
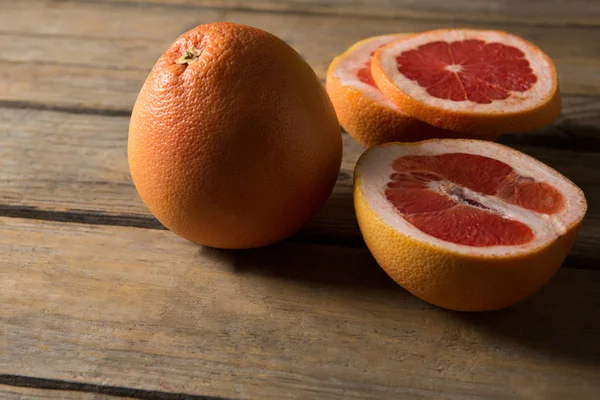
98,300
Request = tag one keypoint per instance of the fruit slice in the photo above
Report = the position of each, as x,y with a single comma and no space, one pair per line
364,112
469,80
465,224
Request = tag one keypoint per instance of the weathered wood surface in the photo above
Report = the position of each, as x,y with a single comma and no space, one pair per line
73,167
8,392
89,55
144,309
93,310
533,12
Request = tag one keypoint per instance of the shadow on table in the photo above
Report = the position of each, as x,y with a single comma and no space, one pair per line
328,250
569,134
322,264
561,320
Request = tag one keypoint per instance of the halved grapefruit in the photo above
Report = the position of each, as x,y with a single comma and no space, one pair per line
466,225
363,111
469,80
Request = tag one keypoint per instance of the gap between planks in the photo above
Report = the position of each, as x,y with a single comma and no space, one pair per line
309,234
578,127
28,387
28,105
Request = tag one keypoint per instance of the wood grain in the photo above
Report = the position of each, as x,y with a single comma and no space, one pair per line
91,309
83,54
73,167
23,393
535,12
27,387
144,309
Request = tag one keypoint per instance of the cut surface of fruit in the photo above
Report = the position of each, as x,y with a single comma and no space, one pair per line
444,195
465,224
364,112
469,80
469,69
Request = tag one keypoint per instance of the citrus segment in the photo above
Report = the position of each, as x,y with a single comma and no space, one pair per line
364,112
469,80
364,74
535,196
472,227
465,224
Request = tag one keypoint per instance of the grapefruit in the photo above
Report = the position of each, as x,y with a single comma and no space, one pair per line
233,141
469,80
364,112
463,224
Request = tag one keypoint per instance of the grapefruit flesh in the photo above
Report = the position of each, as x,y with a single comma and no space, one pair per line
233,141
472,70
465,224
364,74
366,113
469,80
441,195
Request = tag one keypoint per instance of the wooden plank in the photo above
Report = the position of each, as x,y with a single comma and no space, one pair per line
99,91
25,393
144,309
535,12
81,54
73,167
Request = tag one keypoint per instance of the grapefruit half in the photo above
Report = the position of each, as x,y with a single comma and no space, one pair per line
363,111
466,225
469,80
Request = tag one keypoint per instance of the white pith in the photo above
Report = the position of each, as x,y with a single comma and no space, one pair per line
375,168
347,69
454,68
537,95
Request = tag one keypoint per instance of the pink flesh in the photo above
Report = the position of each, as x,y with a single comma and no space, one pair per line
449,213
468,70
364,74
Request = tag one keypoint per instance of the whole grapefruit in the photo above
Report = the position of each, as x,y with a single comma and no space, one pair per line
233,141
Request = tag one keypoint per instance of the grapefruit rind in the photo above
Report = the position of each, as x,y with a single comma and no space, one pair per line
454,276
521,112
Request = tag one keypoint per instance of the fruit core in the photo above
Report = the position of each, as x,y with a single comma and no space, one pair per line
449,196
472,70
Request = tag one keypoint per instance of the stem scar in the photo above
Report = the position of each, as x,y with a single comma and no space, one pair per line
190,56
